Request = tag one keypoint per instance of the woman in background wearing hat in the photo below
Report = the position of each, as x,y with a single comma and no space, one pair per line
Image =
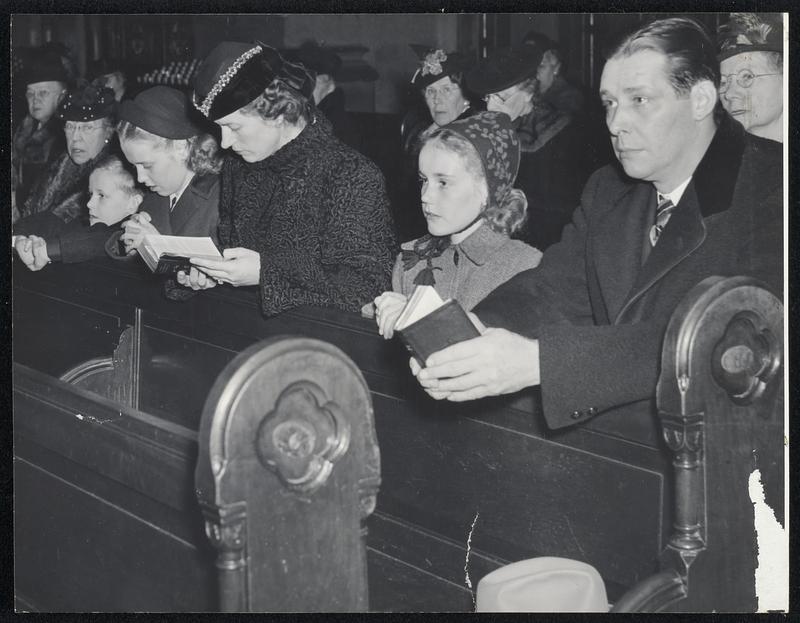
303,216
61,192
554,163
751,64
39,139
177,160
467,170
439,80
327,96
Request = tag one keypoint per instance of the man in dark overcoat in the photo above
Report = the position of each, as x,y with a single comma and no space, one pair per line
692,195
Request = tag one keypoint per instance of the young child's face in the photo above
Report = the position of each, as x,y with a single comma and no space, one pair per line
109,202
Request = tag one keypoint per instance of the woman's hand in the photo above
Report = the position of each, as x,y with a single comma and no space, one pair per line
135,228
196,279
32,250
388,307
241,267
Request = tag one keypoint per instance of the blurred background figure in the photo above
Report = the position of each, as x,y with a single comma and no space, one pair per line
39,139
553,86
325,64
112,74
751,68
554,166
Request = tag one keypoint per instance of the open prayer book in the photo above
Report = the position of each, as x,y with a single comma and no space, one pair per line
166,255
428,324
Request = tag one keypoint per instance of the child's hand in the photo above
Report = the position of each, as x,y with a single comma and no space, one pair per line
388,307
40,257
24,248
135,229
32,250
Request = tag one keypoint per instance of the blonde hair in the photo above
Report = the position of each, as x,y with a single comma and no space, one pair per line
204,153
126,179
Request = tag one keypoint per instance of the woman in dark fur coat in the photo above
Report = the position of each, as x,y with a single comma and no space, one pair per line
302,215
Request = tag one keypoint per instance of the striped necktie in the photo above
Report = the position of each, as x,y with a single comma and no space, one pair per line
664,210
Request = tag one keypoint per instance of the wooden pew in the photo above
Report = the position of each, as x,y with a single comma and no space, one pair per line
106,508
720,402
488,473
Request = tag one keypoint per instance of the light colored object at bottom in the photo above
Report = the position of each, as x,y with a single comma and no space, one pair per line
545,584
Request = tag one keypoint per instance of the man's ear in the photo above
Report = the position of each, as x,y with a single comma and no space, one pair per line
704,98
135,202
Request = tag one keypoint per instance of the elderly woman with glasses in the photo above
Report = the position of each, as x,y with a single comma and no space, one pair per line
554,164
751,64
302,216
61,191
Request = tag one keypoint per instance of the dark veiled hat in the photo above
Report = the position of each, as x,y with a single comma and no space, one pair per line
319,59
46,68
234,74
436,64
505,68
162,111
87,104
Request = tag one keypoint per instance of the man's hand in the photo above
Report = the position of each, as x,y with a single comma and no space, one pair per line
388,307
498,362
241,267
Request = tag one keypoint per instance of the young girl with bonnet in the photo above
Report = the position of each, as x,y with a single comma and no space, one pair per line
113,197
467,169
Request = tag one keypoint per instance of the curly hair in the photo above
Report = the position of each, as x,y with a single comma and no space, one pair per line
280,99
506,218
753,29
204,153
122,170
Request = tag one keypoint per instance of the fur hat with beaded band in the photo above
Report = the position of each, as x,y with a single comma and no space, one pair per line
234,74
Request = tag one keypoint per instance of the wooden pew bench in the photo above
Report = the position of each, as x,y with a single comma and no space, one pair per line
489,472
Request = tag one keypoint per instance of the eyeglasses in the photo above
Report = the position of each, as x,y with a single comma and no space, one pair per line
72,127
446,91
499,97
40,94
744,78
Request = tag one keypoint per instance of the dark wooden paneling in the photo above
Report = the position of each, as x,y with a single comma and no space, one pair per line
73,556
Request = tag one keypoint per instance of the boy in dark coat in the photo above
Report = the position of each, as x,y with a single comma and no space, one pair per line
45,238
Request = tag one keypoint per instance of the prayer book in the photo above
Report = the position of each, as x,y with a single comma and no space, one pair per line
166,255
428,324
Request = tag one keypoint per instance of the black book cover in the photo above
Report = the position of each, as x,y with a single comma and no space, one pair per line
449,324
172,264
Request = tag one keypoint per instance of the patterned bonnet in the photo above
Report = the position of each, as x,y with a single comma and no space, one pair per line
495,140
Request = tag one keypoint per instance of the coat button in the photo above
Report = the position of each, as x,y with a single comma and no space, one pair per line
592,411
575,415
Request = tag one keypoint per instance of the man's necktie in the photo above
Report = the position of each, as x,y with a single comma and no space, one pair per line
172,202
664,210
